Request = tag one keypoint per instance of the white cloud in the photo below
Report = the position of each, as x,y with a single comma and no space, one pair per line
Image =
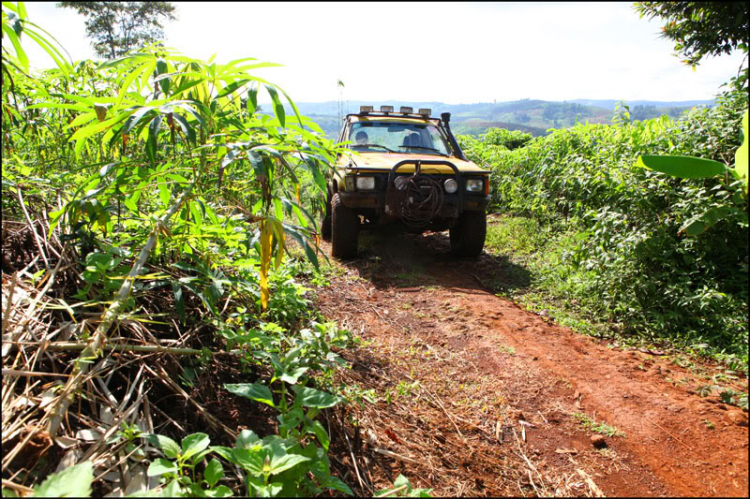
449,52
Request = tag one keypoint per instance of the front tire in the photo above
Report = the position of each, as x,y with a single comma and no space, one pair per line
468,235
344,229
325,226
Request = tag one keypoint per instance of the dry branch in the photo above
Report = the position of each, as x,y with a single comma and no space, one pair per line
91,351
67,346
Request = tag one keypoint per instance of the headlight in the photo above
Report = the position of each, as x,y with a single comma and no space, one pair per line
451,186
365,183
349,183
474,185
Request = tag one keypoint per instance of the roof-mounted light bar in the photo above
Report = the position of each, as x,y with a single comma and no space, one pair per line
425,111
406,110
365,109
386,109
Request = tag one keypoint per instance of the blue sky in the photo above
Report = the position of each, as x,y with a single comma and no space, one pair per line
448,52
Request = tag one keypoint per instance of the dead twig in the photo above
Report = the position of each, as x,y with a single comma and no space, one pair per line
394,491
6,316
665,431
394,455
32,229
68,346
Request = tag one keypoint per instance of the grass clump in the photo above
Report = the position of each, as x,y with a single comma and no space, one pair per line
597,427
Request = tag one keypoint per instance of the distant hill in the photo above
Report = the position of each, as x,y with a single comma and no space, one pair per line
610,103
532,116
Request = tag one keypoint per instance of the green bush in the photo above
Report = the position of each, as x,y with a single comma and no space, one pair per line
646,274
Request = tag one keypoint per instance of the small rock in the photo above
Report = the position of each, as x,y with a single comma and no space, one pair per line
544,313
736,417
599,441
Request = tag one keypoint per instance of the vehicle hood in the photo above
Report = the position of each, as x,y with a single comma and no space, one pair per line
386,161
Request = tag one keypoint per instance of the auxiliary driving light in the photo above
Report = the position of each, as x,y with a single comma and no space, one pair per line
365,183
365,109
400,183
474,185
425,111
451,186
386,109
406,110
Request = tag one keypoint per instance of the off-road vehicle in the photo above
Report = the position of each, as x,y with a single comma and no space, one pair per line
408,169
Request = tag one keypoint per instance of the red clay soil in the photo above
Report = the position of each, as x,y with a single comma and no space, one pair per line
487,398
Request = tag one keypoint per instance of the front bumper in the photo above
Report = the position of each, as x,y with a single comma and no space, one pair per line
450,209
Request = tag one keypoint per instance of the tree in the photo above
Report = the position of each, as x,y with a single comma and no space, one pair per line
118,27
700,29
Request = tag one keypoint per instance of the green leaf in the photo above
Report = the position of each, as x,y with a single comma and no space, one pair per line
246,439
162,466
250,460
293,376
252,100
72,482
153,132
225,452
336,483
682,166
270,490
188,130
322,434
213,473
20,54
193,444
173,489
231,88
281,461
220,491
254,391
741,156
129,81
278,107
161,68
310,397
164,193
704,221
168,446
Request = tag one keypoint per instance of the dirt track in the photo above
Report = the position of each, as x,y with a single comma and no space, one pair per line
464,368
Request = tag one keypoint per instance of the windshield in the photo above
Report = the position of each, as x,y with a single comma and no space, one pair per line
380,136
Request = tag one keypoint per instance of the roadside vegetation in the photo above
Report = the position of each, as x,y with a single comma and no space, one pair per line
154,228
605,239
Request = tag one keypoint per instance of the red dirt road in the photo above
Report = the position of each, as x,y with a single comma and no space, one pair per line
480,366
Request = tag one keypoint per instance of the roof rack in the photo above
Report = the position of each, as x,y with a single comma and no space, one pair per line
388,110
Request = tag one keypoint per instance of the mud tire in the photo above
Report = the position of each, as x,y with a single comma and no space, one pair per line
344,230
325,225
467,236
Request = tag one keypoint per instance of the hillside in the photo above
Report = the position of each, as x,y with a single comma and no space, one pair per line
530,115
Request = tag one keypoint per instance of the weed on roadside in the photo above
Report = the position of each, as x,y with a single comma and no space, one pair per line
602,428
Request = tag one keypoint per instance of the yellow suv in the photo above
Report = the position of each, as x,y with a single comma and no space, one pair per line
408,169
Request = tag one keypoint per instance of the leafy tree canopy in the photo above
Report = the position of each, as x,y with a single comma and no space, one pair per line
118,27
699,29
